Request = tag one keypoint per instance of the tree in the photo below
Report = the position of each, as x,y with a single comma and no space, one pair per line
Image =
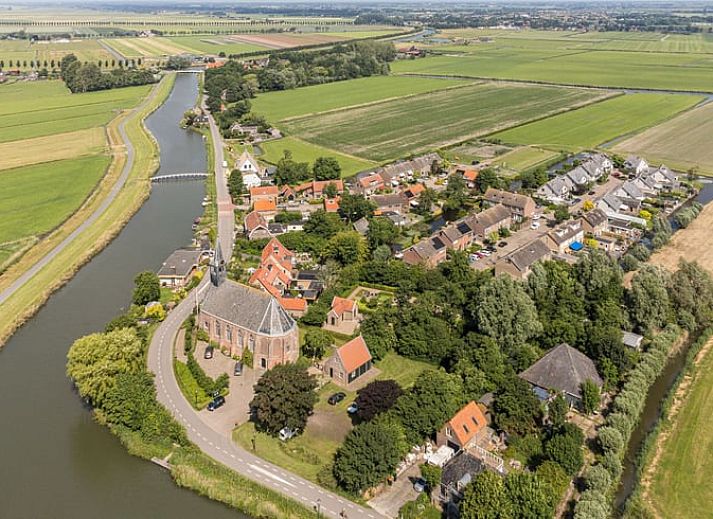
434,398
561,213
235,184
597,478
330,190
648,301
557,410
591,396
290,172
284,397
516,408
176,63
528,496
95,361
554,479
485,498
381,231
316,342
355,207
346,248
432,474
377,397
487,178
455,194
326,168
378,333
370,452
425,202
147,288
323,224
564,447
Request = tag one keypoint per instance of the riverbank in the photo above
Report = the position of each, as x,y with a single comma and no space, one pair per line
24,302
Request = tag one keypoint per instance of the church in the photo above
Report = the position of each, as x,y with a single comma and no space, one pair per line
238,317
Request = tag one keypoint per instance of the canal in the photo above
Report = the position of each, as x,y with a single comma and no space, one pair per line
55,461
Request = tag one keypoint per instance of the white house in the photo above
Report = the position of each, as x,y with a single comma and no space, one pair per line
252,172
636,165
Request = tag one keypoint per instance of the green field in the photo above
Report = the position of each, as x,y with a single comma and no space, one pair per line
276,106
393,129
35,199
45,108
521,159
680,487
214,45
601,122
575,67
684,142
306,152
20,51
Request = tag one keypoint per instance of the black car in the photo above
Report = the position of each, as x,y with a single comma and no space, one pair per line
238,368
336,398
502,244
216,403
208,354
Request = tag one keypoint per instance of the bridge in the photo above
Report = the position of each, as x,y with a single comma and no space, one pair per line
178,176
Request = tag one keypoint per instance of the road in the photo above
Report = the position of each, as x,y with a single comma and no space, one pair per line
221,447
108,200
111,50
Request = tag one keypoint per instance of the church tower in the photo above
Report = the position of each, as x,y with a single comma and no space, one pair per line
217,267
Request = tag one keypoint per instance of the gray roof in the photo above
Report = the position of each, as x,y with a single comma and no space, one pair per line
562,369
630,339
579,176
361,225
632,190
180,263
460,470
489,217
389,200
566,232
506,198
248,307
612,201
524,257
595,217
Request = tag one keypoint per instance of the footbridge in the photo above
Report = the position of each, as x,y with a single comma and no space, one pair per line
178,176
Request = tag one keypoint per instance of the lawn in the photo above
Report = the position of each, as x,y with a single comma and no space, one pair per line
602,122
680,486
44,108
276,106
35,199
522,159
51,148
306,152
576,67
417,124
683,142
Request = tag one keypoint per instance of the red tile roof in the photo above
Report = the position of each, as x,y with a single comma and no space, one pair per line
470,174
293,304
467,422
341,305
254,220
264,191
331,205
354,354
265,206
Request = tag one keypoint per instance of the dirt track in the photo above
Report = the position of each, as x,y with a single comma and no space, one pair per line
692,244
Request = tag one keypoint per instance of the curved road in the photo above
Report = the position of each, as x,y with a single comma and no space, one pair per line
108,200
222,448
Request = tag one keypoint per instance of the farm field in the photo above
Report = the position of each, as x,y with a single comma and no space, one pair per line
20,51
679,486
277,106
52,148
659,71
146,47
424,122
683,142
35,199
214,44
306,152
601,122
521,159
38,109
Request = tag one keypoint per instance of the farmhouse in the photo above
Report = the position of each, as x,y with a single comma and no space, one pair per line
179,267
240,318
518,263
464,429
562,370
520,206
253,174
349,362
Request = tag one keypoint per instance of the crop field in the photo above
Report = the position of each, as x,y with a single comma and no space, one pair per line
680,485
38,109
574,67
214,44
35,199
601,122
146,47
684,142
306,152
277,106
20,51
51,148
416,124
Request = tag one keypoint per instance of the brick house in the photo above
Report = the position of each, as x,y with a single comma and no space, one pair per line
343,316
520,206
349,362
490,221
464,429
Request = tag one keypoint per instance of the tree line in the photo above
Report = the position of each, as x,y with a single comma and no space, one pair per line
88,77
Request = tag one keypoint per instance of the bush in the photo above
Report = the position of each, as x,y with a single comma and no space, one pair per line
597,478
610,439
592,505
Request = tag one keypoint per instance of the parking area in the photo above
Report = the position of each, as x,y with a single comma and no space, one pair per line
390,501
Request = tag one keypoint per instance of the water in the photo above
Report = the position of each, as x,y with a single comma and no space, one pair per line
55,461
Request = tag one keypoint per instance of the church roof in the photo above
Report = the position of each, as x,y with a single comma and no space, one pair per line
248,307
562,369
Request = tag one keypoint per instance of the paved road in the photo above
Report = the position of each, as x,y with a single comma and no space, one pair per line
220,446
108,200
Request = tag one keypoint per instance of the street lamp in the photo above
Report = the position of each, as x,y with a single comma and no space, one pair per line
195,396
318,508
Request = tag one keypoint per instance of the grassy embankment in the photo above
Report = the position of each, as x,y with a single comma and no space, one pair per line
420,123
599,123
25,302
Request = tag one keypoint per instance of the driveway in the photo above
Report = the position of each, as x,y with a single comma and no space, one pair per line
397,495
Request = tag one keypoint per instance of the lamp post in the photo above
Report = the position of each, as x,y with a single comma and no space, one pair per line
195,396
318,508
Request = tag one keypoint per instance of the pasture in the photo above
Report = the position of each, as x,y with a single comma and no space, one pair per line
36,199
683,142
21,52
277,106
306,152
38,109
521,159
659,71
214,45
599,123
52,148
416,124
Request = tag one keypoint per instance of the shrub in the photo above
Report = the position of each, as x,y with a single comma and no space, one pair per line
610,439
597,478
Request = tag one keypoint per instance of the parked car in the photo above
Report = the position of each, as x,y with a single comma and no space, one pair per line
535,225
208,354
419,485
336,398
353,408
287,434
502,244
238,368
536,216
592,193
216,403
